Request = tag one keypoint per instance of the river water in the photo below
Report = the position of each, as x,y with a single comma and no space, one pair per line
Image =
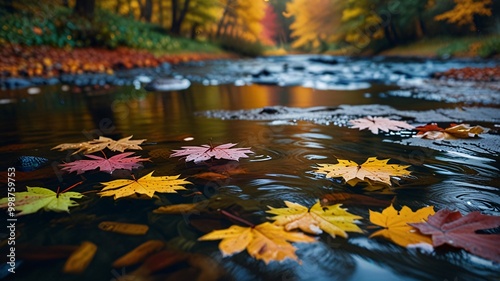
281,168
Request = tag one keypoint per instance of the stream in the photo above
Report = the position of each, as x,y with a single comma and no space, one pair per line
293,113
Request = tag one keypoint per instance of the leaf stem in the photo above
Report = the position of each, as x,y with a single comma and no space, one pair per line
78,183
236,218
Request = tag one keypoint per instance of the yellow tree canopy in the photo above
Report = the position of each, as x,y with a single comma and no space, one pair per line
315,22
464,11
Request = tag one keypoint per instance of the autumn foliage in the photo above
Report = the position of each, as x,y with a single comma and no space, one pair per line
24,61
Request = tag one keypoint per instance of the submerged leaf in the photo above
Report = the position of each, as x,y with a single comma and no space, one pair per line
266,241
124,228
205,152
37,198
374,124
372,170
146,185
449,227
332,219
101,143
396,225
119,161
81,258
139,254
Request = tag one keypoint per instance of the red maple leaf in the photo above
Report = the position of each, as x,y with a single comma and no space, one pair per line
119,161
205,152
429,127
449,227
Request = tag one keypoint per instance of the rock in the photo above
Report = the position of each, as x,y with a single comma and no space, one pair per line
14,83
168,84
30,163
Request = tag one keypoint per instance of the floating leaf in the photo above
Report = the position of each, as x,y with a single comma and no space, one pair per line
119,161
81,258
36,198
265,241
449,227
146,185
372,170
396,225
101,143
374,124
206,152
461,131
332,219
124,228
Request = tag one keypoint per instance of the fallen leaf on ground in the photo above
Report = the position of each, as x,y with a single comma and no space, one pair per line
266,241
119,161
124,228
146,185
345,198
206,152
332,219
372,170
461,131
36,198
101,143
374,124
449,227
139,254
81,258
396,225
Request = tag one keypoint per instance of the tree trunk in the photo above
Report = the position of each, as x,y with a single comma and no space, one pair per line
160,11
117,7
146,10
222,19
177,21
193,30
85,8
65,3
174,15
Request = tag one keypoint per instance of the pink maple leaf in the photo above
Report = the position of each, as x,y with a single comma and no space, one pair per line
374,124
449,227
205,152
119,161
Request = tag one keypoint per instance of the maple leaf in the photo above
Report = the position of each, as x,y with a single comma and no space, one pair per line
449,227
147,185
265,241
119,161
396,224
332,219
372,170
205,152
37,198
461,131
374,124
101,143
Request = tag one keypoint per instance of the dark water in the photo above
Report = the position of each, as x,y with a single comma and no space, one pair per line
281,169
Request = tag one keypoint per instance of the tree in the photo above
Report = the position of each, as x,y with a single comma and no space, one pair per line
315,22
146,8
465,11
85,8
269,23
178,15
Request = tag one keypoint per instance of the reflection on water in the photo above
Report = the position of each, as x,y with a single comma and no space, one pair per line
280,169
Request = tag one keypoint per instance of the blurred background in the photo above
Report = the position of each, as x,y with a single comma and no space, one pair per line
340,27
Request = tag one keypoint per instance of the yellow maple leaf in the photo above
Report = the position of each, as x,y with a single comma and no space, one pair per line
146,185
266,241
100,144
373,170
396,226
332,219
